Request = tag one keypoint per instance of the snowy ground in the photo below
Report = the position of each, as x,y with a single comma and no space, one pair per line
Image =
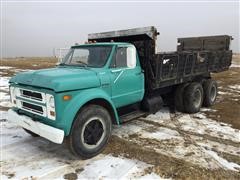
185,136
196,139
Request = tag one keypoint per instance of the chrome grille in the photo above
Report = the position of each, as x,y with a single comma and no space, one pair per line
31,95
32,107
30,100
33,101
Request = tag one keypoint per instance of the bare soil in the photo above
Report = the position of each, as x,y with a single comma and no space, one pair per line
228,105
165,166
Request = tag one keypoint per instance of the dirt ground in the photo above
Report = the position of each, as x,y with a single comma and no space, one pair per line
205,145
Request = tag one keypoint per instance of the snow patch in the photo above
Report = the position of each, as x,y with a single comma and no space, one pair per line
199,115
4,81
5,67
151,176
223,93
110,167
208,109
161,134
210,127
228,165
5,104
235,65
237,87
217,146
189,124
130,128
161,115
4,96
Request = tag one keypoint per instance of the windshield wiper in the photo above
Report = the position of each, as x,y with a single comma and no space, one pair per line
81,62
85,65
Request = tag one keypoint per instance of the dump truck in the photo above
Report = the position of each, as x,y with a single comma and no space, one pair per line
113,78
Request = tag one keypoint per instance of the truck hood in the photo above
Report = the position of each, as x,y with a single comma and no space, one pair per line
59,79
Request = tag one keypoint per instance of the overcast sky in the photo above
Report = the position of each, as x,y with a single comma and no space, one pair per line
34,29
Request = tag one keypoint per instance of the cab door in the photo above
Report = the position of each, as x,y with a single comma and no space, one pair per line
127,78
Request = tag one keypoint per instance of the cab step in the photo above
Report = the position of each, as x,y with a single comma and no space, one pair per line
132,115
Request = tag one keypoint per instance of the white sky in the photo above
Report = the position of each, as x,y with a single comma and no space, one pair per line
35,28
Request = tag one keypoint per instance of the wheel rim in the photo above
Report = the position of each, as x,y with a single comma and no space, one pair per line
93,132
213,93
197,98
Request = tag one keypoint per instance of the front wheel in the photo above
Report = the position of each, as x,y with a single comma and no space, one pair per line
90,131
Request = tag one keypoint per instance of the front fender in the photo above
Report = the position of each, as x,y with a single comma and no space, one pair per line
81,99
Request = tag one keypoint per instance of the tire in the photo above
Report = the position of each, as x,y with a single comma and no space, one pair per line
193,97
90,131
178,97
31,133
210,92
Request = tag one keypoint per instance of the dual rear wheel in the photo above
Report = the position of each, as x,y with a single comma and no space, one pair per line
190,97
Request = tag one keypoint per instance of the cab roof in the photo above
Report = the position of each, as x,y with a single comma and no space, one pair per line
102,44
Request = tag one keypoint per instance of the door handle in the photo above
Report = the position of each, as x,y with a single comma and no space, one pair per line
116,70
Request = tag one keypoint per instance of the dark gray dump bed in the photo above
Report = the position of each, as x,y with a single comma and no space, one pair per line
195,56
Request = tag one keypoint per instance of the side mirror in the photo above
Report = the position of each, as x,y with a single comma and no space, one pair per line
131,57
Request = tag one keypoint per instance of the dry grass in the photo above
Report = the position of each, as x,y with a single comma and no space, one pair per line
29,63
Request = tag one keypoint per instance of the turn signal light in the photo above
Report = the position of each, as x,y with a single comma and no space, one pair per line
67,97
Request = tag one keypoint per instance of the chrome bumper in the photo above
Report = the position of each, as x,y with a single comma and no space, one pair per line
53,134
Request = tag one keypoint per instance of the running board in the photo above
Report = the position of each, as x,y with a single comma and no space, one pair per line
132,115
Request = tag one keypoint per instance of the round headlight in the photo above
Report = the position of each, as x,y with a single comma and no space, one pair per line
51,102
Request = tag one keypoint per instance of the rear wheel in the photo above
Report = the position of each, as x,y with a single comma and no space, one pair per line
90,132
193,97
178,97
210,92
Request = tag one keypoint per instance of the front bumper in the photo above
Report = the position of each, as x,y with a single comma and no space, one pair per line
53,134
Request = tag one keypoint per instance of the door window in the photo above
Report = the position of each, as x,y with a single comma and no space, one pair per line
121,57
125,57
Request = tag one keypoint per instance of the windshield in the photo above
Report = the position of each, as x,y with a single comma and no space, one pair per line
91,56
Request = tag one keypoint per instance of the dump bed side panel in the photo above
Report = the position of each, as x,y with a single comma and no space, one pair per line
211,43
179,67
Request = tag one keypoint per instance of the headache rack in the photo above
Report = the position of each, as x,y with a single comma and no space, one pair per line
195,56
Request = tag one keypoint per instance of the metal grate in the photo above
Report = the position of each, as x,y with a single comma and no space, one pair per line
32,95
32,107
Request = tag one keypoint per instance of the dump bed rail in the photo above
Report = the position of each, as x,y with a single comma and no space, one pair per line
149,32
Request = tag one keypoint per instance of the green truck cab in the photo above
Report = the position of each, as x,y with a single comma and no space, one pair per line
100,74
97,85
